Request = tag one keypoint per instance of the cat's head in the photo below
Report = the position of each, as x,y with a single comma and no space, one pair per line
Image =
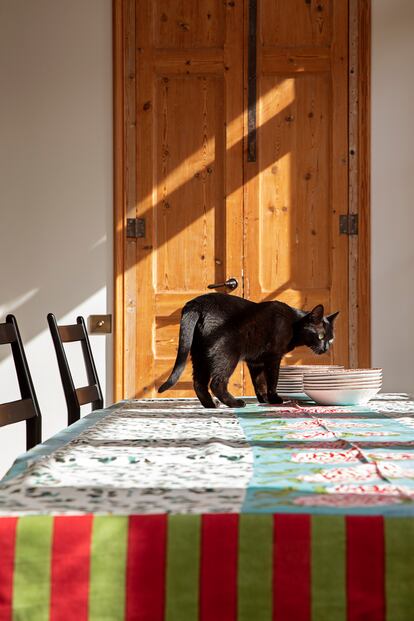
316,330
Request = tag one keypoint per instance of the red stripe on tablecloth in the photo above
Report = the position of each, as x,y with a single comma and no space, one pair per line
365,568
71,545
291,567
218,567
7,546
145,581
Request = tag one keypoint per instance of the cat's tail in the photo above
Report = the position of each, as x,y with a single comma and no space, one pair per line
188,323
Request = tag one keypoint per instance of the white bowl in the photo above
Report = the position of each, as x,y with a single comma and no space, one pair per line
290,394
324,389
357,396
345,387
290,383
341,382
293,367
301,370
342,387
333,376
343,373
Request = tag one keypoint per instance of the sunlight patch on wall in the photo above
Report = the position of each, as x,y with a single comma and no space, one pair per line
12,305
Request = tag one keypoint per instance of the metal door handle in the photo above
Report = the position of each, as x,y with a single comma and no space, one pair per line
231,283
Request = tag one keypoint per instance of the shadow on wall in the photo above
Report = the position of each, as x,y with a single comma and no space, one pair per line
63,279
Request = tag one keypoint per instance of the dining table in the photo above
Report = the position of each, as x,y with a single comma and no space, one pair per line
161,510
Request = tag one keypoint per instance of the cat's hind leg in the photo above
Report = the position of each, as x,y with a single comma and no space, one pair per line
272,366
201,379
257,373
222,371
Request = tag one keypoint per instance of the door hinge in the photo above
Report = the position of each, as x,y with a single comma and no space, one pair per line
135,227
348,224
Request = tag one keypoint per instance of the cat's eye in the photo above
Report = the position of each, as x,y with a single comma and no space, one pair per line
321,336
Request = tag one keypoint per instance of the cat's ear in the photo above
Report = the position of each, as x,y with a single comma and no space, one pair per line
316,314
331,318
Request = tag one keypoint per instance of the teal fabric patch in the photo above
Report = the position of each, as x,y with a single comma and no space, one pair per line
336,460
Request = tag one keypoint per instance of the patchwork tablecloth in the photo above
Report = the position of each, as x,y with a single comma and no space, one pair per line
155,510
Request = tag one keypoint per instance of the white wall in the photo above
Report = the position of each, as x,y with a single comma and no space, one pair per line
55,188
393,191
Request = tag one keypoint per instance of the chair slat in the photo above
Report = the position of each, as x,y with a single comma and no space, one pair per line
7,333
16,411
75,397
26,408
72,333
87,394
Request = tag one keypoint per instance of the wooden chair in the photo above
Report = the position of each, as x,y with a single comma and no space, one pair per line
26,408
75,397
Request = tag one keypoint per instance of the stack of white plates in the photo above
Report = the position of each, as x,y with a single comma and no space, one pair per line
291,378
343,386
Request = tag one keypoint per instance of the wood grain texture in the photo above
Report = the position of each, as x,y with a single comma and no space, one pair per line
359,182
353,146
295,60
339,179
188,24
364,178
234,132
124,197
180,162
296,23
146,158
299,185
130,342
119,164
188,173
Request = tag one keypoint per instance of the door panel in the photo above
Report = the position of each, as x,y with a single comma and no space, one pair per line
189,184
187,24
189,117
211,214
297,186
296,22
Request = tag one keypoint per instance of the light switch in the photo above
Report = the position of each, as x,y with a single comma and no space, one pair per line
100,324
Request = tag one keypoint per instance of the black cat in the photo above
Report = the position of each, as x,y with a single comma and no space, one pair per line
220,330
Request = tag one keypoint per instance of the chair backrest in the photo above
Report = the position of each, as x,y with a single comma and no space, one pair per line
75,397
26,408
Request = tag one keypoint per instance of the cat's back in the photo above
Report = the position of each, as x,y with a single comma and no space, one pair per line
219,304
278,309
218,314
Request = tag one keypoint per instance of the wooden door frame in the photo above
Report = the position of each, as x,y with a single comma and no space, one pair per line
359,109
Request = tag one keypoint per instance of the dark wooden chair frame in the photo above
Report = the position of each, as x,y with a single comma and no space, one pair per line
27,408
75,397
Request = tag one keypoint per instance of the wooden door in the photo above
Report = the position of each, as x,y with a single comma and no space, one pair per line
187,177
211,211
297,186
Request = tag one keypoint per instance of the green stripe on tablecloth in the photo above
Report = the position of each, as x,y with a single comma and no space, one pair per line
399,568
328,568
108,568
183,567
255,567
31,586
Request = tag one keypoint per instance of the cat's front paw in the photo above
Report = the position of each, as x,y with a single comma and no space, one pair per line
239,403
274,399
